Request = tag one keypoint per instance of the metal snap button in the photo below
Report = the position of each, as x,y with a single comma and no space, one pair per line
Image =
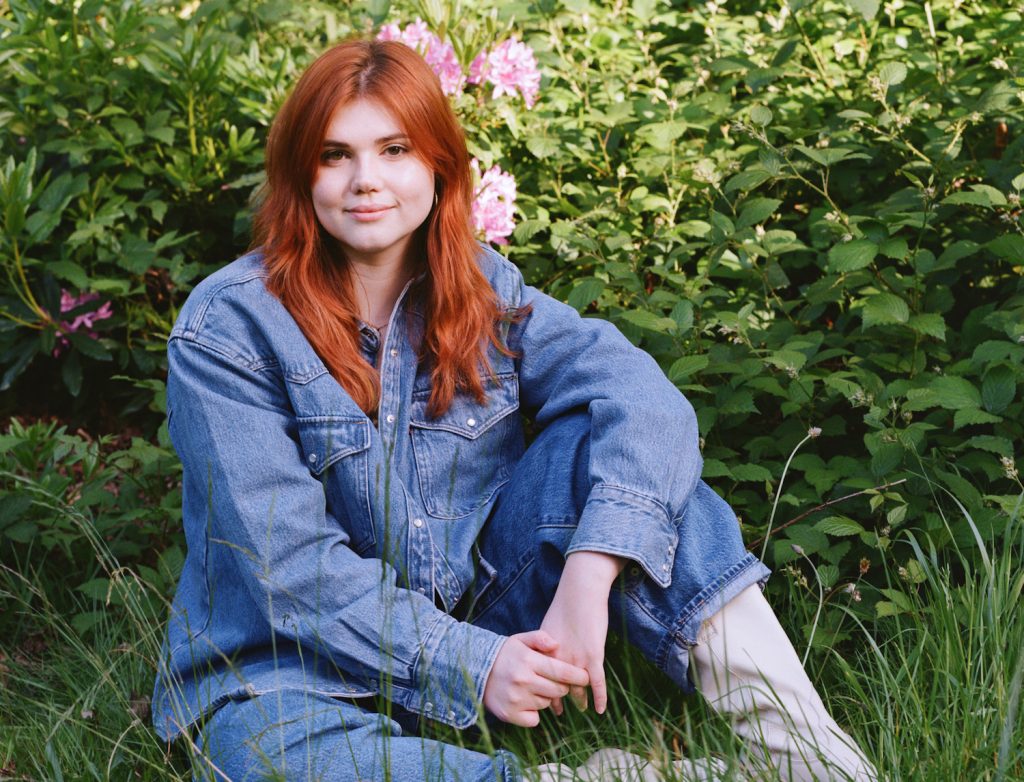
390,419
417,522
471,422
312,457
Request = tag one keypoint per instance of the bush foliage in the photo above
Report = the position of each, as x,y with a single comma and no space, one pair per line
808,213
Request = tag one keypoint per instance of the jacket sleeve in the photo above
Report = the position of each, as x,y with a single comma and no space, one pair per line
235,433
644,455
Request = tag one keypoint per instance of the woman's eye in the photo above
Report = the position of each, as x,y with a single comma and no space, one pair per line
394,150
332,155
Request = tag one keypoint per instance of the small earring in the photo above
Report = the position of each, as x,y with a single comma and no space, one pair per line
435,200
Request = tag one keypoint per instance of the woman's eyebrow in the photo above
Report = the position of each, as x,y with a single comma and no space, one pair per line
383,140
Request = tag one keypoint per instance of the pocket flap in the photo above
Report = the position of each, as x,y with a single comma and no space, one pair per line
466,416
326,439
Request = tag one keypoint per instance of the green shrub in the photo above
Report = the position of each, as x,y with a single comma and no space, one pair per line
810,217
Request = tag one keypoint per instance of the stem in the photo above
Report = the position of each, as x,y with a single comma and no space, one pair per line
824,505
778,494
817,613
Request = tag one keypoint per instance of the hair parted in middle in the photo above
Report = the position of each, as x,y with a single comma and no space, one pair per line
307,271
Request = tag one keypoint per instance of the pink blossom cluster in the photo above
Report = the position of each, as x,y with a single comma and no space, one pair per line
440,55
494,203
84,321
510,67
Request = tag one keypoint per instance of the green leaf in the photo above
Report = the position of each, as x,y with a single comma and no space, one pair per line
972,415
850,256
1008,246
757,210
979,195
957,251
586,290
998,389
682,314
751,472
70,271
747,180
760,115
71,374
839,526
683,367
96,588
883,309
543,147
893,73
866,8
646,319
826,156
895,247
741,401
715,468
90,347
955,393
931,324
884,608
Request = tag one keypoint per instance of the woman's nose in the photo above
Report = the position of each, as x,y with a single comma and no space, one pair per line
365,174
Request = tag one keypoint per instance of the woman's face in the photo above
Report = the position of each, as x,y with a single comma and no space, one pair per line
371,191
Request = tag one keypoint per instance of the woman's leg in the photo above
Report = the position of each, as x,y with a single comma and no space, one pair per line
749,672
531,528
295,736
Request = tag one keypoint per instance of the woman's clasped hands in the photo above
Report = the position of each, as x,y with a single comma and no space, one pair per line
535,670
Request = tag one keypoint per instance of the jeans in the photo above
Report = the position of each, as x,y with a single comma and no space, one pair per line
300,735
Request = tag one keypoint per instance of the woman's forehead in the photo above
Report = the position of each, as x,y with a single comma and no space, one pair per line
362,121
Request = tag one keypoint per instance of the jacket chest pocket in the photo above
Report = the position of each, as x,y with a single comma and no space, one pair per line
465,455
336,452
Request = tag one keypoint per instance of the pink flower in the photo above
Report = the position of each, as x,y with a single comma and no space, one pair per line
494,203
440,55
511,67
85,320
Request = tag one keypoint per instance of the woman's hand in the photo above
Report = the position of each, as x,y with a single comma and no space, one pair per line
578,620
526,678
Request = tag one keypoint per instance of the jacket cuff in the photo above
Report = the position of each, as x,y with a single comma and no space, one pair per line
626,524
451,672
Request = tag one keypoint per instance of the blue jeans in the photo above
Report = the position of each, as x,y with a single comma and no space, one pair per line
297,735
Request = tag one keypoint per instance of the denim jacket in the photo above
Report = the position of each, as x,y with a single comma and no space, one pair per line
326,549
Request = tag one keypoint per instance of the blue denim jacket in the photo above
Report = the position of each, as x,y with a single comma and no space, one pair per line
321,543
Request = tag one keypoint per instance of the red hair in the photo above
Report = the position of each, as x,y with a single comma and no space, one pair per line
307,271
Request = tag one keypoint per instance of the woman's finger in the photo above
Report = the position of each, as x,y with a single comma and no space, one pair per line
549,689
599,687
579,697
561,671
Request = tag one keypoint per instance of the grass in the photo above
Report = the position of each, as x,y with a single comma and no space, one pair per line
931,692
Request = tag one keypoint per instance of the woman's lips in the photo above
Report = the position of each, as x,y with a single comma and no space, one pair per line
367,214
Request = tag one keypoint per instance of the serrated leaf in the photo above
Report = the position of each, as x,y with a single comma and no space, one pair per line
741,401
957,251
969,416
715,468
683,367
931,324
95,588
884,608
991,443
646,319
893,73
850,256
894,247
747,180
826,156
998,389
839,526
883,309
1008,246
586,290
751,472
955,393
757,210
866,8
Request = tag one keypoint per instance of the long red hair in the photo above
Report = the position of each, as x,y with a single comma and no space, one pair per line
307,271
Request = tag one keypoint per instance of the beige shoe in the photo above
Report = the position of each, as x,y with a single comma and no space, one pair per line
617,765
748,670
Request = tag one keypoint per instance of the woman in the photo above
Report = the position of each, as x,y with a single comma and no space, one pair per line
362,515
